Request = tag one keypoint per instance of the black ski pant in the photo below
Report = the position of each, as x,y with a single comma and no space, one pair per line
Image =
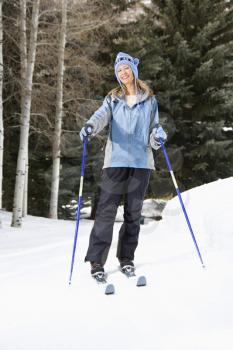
129,184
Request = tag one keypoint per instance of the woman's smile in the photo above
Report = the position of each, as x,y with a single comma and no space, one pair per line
125,73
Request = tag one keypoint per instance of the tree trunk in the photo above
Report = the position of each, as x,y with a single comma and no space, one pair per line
23,67
25,120
25,188
1,106
56,152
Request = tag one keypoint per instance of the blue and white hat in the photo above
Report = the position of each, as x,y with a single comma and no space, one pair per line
124,58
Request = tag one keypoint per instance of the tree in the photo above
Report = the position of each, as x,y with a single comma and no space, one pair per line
56,152
87,56
23,72
1,106
186,53
88,23
25,119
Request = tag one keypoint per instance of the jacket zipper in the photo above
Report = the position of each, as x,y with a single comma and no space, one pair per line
129,144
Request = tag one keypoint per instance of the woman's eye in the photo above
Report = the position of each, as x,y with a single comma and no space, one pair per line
123,69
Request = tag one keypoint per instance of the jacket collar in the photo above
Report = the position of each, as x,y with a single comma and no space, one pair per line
142,96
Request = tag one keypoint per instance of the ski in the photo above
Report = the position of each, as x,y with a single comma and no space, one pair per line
141,281
110,289
101,278
129,272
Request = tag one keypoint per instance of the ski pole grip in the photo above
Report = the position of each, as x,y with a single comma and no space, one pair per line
88,129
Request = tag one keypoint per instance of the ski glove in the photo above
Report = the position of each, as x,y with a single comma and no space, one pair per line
87,130
156,135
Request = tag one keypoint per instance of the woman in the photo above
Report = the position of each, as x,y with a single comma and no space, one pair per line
131,110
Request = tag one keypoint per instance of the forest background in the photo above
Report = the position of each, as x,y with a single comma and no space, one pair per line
56,66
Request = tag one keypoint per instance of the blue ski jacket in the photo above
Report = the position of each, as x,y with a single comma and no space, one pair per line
130,133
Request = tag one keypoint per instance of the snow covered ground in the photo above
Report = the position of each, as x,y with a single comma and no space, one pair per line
183,307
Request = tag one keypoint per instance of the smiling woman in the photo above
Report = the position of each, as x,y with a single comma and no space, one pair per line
131,110
126,72
125,75
128,82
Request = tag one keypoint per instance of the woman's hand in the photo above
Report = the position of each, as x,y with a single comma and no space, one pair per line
86,131
157,135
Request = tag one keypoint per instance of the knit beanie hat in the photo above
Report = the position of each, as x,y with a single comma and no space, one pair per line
124,58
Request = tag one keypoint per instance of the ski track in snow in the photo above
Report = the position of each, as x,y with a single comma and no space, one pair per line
183,306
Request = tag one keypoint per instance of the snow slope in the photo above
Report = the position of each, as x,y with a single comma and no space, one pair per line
183,307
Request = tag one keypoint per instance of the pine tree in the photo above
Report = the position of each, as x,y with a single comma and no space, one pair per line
186,53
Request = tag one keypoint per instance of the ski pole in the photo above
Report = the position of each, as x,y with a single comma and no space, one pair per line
180,198
79,205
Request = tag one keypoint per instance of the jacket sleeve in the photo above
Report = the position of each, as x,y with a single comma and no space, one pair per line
154,122
101,116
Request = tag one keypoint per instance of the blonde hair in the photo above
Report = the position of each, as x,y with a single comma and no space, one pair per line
141,85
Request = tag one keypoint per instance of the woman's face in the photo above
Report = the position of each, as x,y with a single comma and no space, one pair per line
125,74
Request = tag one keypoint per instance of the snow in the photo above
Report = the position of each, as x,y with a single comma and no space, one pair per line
225,128
183,307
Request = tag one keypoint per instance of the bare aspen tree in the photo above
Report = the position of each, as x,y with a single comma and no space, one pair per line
25,120
56,152
1,106
23,68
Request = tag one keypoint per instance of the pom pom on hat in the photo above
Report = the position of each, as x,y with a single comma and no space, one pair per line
136,61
